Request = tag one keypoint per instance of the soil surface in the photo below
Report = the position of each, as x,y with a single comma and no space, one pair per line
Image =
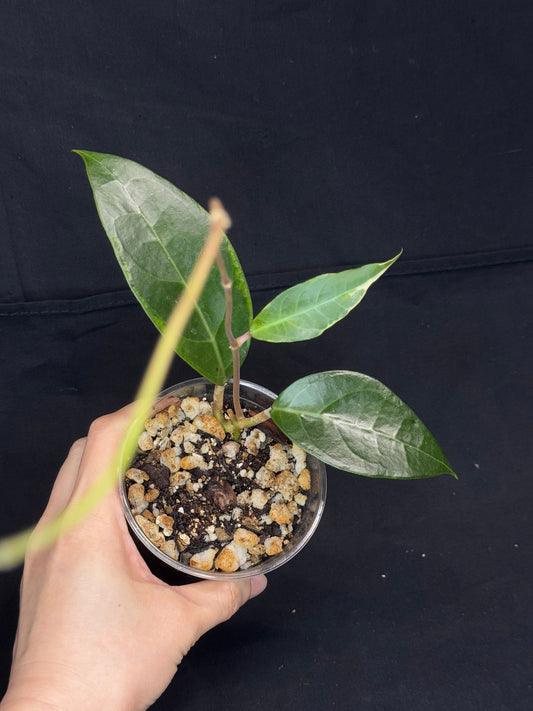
210,501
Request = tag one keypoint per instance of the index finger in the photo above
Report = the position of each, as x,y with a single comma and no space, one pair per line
103,443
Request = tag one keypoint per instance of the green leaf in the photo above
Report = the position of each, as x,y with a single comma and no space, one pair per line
157,233
306,310
355,423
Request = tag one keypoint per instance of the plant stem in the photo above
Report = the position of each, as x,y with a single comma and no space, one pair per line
236,420
233,343
218,403
255,420
242,339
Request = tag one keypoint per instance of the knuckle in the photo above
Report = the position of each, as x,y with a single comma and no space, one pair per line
114,423
232,598
99,426
78,446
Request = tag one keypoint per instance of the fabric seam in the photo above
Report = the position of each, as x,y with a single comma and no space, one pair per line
274,281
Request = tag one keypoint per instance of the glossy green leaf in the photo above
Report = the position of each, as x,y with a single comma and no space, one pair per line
157,233
355,423
306,310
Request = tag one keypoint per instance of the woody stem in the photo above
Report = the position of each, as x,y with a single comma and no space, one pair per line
233,343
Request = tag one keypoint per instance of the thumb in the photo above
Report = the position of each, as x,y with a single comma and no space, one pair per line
214,601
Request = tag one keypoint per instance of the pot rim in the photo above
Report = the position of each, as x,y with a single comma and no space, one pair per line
318,471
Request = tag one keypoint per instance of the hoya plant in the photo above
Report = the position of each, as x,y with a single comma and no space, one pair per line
346,419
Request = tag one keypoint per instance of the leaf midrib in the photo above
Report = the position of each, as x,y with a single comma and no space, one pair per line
314,416
365,459
296,314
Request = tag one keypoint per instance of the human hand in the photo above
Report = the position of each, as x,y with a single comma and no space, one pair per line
97,630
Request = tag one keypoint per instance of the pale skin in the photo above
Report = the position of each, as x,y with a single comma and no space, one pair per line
96,629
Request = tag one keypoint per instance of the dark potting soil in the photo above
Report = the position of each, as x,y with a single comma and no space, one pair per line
209,501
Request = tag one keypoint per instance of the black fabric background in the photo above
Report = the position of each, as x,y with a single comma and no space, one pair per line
336,133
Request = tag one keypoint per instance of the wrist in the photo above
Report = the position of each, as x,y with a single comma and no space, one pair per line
26,704
13,701
29,701
59,695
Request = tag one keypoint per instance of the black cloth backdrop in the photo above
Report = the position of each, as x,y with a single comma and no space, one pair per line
336,133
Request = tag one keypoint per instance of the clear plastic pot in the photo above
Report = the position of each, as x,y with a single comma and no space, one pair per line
258,398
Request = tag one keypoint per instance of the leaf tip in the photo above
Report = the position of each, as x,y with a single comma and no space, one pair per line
85,155
396,257
88,156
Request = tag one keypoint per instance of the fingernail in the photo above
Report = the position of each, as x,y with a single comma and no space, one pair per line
258,584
